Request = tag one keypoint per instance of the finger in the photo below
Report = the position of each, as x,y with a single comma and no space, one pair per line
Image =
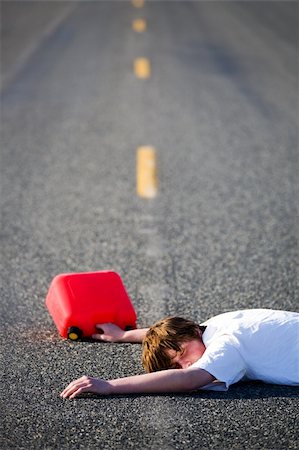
78,391
65,390
100,328
100,337
68,390
73,386
75,390
84,386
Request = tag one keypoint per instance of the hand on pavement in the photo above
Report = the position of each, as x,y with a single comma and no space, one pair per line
109,332
85,384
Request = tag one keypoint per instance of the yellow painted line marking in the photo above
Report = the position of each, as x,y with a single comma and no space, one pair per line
139,25
146,170
142,68
138,3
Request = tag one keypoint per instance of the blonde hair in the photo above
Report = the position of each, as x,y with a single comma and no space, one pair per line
167,334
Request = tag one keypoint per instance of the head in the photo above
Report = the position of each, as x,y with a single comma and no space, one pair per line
167,340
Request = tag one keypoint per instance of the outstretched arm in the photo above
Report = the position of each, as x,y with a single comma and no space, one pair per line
109,332
172,380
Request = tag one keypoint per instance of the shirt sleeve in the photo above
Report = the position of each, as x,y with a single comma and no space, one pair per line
223,360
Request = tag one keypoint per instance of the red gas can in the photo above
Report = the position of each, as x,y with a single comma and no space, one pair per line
78,301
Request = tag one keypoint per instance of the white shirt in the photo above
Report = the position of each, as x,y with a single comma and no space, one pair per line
255,344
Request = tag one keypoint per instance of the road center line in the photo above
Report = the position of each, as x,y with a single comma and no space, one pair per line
139,25
146,171
142,68
138,3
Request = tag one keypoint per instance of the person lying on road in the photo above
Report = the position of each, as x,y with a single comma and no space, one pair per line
257,344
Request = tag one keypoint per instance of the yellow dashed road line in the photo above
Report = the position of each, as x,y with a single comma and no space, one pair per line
138,3
146,167
142,68
139,25
146,172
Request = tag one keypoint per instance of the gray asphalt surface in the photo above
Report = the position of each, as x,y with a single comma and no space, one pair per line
221,110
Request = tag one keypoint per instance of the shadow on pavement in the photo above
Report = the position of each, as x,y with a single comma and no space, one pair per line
244,390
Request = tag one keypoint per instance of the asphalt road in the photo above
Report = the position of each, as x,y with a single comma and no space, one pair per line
221,110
